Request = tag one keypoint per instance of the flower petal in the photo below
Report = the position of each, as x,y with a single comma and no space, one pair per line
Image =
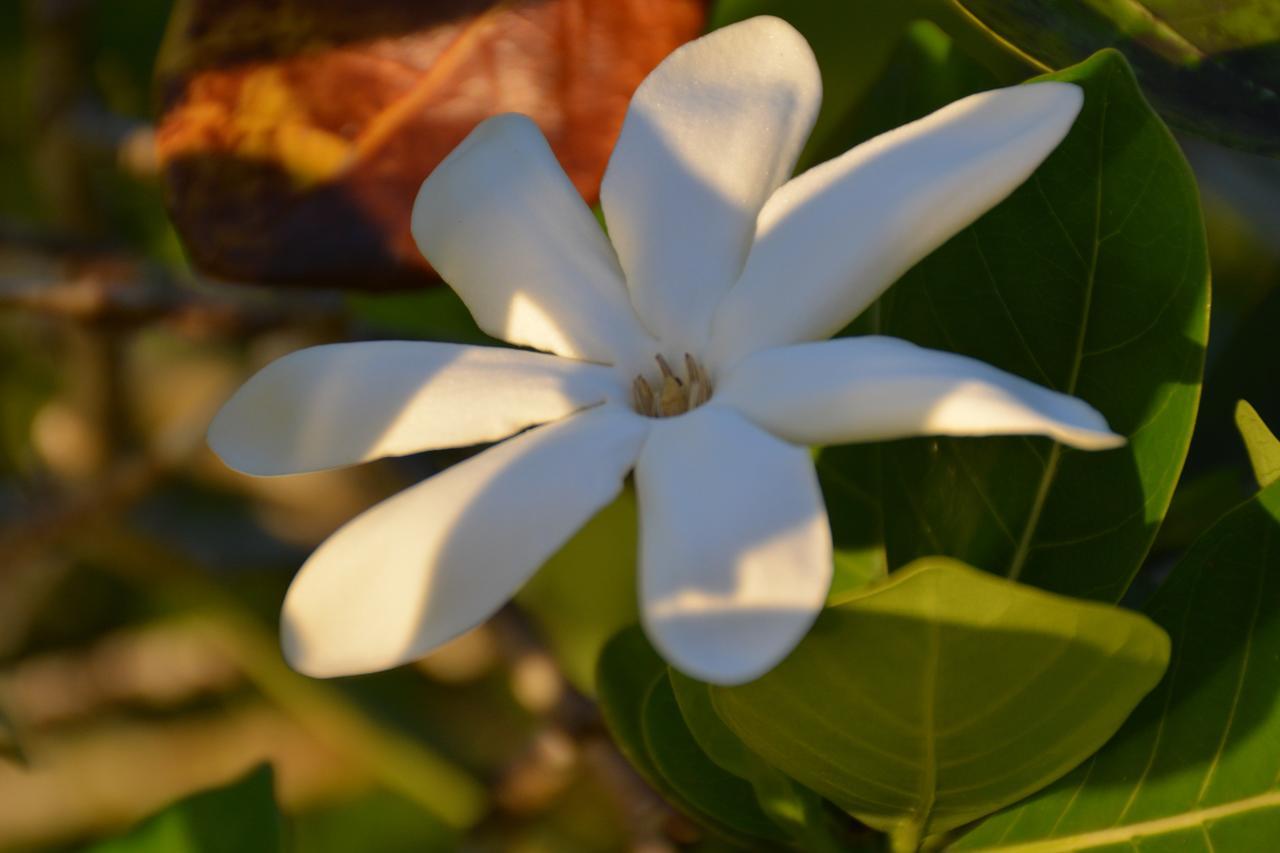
500,221
832,239
876,388
709,135
735,549
346,403
437,559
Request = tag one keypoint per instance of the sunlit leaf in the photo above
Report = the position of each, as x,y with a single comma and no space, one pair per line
1197,766
295,135
1260,443
944,693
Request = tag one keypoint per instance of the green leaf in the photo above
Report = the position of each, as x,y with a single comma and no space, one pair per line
786,803
1200,501
1092,279
1260,442
239,817
925,71
586,592
1197,766
944,694
627,668
1211,66
716,739
698,781
641,713
850,479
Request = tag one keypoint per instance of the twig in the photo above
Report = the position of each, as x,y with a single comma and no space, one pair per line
123,294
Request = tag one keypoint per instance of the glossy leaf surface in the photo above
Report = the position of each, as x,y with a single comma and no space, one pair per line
1197,766
943,694
643,716
1092,279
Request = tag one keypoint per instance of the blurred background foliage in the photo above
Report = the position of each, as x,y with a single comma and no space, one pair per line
140,579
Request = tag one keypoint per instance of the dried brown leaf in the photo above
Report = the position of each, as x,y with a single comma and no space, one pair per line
295,133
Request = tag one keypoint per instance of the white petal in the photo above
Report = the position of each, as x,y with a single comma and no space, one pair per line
735,549
341,404
709,135
874,388
502,224
439,558
832,239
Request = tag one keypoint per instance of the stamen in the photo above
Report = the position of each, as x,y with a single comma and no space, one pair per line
667,372
674,396
699,388
672,401
643,397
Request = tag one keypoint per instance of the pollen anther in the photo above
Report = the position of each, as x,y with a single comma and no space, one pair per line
673,395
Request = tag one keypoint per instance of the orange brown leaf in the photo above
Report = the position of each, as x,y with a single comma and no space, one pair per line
294,134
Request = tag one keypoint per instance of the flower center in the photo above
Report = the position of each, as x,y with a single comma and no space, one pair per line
672,395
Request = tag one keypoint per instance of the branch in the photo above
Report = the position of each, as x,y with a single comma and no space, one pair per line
112,291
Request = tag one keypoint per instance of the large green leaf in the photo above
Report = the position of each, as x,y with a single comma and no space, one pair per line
944,693
925,70
787,803
1197,766
644,718
1212,66
692,775
627,668
239,817
1092,278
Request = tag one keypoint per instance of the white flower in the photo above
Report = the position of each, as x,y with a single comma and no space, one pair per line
721,267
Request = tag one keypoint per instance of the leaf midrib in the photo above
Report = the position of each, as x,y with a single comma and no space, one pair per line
1023,551
1145,829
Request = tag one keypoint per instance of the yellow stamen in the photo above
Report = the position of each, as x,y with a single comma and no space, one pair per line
673,395
667,372
672,400
643,396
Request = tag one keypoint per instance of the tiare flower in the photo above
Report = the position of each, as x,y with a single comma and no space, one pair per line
686,346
